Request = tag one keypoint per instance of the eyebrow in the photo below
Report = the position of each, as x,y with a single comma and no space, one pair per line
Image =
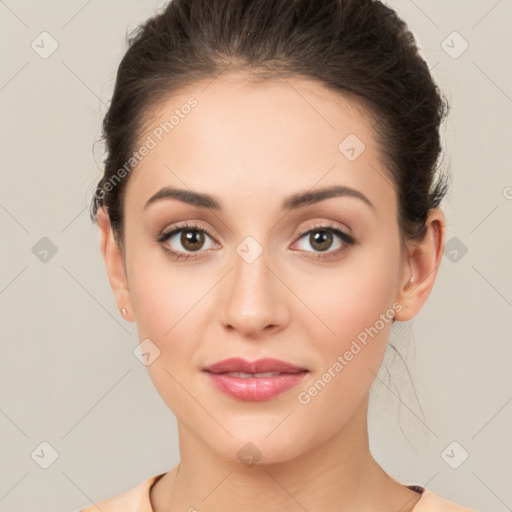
293,202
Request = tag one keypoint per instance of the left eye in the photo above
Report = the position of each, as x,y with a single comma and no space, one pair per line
321,238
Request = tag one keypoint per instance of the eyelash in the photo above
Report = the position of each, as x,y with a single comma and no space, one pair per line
347,240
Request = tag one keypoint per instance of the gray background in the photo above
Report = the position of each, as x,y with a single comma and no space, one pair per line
68,376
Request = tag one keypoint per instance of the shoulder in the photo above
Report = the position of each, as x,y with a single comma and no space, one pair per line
430,502
133,500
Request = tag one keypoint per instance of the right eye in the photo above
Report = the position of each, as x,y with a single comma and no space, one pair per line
191,238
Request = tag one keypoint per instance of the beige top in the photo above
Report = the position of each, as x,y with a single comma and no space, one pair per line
137,500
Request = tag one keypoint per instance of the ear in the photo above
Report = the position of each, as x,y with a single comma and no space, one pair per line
113,257
420,269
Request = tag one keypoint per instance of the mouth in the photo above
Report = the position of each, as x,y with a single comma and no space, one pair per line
243,375
261,366
254,381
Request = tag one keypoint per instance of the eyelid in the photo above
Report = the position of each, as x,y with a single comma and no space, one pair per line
329,227
168,233
347,240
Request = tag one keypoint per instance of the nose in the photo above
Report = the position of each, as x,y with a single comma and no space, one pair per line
252,297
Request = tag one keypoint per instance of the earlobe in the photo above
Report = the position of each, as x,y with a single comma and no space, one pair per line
114,265
422,265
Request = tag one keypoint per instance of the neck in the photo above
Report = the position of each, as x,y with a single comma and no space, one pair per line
338,474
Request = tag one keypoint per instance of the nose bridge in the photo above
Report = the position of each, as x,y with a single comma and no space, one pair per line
252,256
252,300
252,273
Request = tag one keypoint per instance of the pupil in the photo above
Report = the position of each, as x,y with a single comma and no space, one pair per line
192,240
323,239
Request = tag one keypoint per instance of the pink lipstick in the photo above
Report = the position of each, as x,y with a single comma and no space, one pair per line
254,381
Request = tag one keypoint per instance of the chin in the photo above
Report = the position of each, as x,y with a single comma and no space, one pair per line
259,444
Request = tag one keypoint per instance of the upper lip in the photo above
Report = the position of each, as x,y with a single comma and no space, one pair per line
237,364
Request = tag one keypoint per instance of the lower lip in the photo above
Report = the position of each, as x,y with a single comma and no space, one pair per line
255,389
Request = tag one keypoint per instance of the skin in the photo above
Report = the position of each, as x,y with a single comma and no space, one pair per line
251,145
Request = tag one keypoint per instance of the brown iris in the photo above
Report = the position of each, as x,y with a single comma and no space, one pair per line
321,240
192,239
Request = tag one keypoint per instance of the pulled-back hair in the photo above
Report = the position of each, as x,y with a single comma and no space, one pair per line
359,48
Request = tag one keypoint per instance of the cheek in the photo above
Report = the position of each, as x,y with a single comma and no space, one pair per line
353,297
356,305
170,311
162,293
169,303
165,315
349,363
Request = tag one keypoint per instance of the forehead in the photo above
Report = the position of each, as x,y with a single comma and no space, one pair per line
234,133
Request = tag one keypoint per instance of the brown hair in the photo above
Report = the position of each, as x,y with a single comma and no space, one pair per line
355,47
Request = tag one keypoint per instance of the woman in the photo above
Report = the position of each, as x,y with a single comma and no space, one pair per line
269,207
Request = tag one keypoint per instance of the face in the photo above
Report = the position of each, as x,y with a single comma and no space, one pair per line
313,283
